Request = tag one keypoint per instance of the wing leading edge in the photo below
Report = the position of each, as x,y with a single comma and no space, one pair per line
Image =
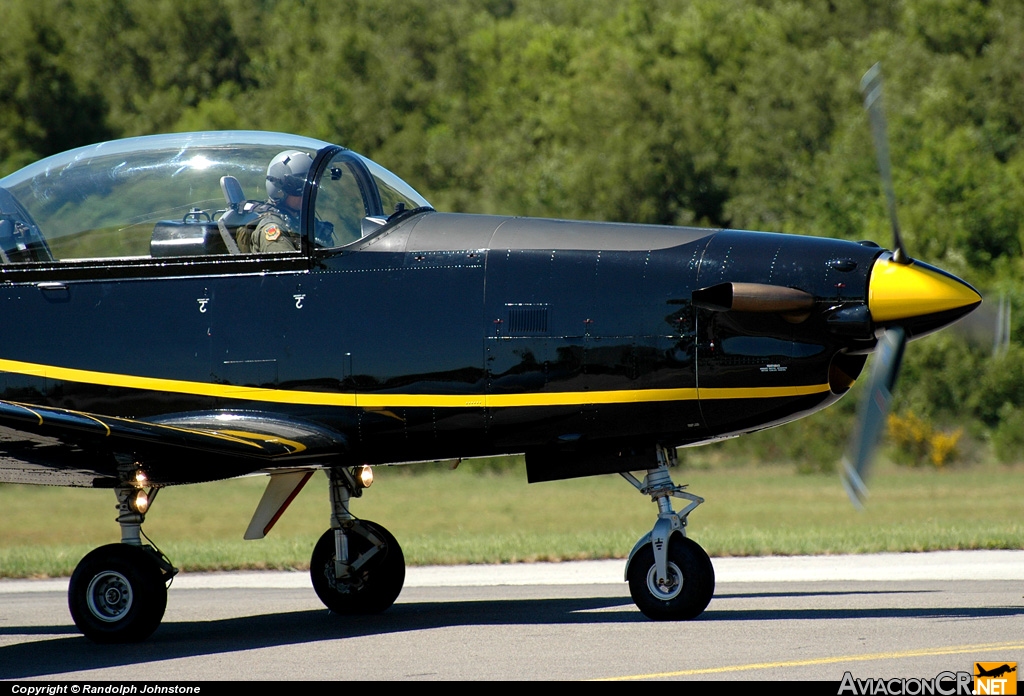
44,445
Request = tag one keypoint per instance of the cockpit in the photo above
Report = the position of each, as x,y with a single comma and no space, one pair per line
187,195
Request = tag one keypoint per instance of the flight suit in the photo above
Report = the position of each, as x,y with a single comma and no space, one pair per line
275,232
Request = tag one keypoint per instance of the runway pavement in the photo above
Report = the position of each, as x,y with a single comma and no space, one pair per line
885,615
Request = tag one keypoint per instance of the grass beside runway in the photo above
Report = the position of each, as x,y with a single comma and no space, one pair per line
472,515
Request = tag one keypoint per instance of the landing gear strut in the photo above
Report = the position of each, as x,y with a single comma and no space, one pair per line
670,577
357,565
118,592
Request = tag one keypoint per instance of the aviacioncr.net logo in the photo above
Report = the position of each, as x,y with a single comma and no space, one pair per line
942,684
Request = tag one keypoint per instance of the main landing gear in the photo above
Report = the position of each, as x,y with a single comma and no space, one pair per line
357,566
118,592
670,577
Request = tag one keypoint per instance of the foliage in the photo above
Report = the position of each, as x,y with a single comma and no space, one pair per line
1008,438
917,442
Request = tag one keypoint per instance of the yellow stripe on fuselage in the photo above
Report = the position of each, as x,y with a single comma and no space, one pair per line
389,400
761,392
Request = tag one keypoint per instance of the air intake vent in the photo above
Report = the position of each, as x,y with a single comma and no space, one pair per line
527,320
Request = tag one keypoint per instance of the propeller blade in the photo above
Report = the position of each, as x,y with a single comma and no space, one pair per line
871,88
871,414
988,327
1001,342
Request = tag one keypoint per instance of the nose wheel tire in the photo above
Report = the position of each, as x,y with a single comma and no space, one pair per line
684,593
373,586
117,594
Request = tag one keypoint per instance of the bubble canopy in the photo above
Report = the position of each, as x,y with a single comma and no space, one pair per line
165,195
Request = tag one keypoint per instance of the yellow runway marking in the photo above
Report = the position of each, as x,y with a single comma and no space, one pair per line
923,652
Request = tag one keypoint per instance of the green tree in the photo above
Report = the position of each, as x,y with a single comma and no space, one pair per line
44,109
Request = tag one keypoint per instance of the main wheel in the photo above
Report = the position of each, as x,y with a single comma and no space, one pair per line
117,594
689,586
374,586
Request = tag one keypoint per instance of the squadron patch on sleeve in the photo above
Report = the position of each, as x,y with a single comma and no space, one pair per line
273,232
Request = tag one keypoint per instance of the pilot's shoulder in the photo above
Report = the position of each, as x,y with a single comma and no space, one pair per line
269,213
270,217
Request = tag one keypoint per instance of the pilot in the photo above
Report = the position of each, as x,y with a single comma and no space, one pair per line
278,228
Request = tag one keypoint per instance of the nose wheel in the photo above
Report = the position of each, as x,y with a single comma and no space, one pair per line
684,591
670,576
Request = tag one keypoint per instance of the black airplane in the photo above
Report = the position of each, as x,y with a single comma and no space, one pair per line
148,345
995,672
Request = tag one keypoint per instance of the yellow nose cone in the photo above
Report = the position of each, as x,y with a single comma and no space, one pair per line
903,291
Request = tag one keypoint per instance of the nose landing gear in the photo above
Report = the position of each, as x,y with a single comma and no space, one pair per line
670,577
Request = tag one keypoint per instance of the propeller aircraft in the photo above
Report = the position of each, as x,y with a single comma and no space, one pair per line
153,347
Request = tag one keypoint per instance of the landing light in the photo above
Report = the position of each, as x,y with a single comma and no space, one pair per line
139,501
365,476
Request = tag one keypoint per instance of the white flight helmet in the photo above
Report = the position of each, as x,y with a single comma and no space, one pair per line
286,174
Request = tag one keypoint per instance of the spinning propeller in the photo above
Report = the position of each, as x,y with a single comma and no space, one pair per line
871,88
906,298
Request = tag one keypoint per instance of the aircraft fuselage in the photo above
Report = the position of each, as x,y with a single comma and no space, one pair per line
453,336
